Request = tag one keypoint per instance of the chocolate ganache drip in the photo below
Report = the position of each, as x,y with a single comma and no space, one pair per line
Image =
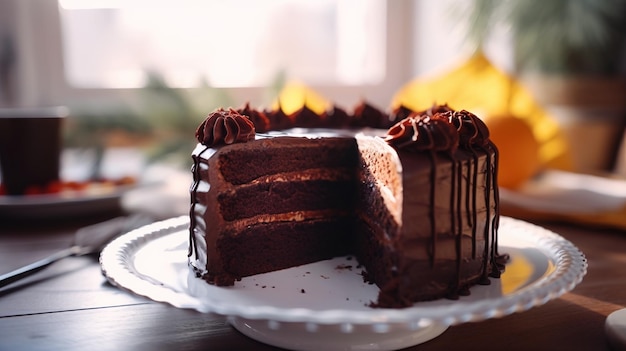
440,129
475,136
422,132
225,127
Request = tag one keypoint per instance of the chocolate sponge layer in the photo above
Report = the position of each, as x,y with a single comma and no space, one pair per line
243,165
281,197
267,247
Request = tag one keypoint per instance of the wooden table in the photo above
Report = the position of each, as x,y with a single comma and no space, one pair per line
70,305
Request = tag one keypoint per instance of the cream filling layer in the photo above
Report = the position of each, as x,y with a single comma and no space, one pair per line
293,216
305,175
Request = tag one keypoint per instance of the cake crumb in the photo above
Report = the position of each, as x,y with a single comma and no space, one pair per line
366,278
302,291
344,266
324,277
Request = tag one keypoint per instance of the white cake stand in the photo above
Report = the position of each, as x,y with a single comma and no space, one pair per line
325,305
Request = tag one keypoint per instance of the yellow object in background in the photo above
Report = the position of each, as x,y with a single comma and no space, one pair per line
518,150
485,90
295,95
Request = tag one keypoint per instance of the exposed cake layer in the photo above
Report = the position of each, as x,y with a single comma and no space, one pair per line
311,187
284,245
289,154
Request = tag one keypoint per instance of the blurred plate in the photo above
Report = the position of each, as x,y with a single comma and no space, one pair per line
95,199
563,192
555,195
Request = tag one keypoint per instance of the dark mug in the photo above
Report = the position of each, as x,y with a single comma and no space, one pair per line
30,148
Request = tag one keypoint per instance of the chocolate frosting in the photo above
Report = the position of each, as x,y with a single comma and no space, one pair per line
434,109
259,118
423,133
307,118
279,119
399,113
366,115
472,130
225,127
438,128
337,117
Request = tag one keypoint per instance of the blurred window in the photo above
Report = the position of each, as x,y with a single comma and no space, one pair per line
236,43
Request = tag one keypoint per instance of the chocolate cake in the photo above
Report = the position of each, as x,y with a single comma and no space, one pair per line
411,194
